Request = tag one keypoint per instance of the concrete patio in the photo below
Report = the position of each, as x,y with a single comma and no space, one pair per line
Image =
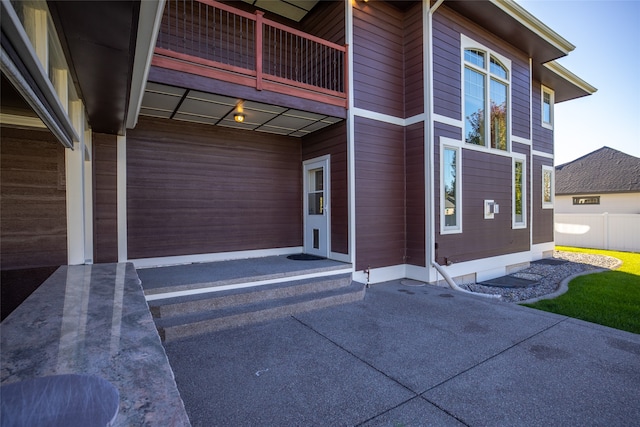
409,355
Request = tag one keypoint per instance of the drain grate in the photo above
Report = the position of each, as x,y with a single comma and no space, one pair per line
550,261
509,282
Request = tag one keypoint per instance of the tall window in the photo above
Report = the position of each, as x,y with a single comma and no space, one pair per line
451,199
547,107
486,94
547,187
519,193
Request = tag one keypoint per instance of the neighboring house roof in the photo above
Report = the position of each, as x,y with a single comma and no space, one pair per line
603,171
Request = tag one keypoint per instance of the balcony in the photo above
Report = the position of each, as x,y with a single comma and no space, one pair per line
212,39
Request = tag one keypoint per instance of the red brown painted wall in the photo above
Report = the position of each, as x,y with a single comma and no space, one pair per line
379,192
415,195
413,61
326,20
105,198
333,141
378,60
34,218
202,189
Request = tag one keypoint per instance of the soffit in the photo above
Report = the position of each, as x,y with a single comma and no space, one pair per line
98,38
201,107
510,22
566,85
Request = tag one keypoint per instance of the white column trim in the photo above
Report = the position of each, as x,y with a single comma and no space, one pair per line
122,197
351,162
88,195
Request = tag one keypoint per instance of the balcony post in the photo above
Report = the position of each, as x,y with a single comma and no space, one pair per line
259,32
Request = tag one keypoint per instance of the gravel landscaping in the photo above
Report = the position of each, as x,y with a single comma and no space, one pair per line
548,275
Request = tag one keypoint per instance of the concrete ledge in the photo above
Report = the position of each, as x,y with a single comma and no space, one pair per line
94,320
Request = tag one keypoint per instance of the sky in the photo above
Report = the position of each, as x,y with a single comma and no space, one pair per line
607,55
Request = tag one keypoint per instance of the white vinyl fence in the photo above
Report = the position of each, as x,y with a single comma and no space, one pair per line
618,232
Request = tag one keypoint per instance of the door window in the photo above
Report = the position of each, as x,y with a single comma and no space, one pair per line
316,191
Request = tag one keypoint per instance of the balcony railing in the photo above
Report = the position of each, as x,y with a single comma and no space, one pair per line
209,38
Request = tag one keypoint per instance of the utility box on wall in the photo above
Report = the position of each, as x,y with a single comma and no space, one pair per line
490,209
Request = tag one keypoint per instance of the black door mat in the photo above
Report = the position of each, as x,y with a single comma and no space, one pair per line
509,282
550,261
305,257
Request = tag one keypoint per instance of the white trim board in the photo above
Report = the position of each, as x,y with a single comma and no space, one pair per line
212,257
385,118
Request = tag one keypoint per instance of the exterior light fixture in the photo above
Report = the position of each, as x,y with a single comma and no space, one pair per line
238,117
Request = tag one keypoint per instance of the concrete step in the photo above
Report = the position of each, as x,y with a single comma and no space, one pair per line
212,318
187,278
177,306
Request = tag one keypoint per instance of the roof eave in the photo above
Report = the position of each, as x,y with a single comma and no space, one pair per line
565,84
534,25
510,21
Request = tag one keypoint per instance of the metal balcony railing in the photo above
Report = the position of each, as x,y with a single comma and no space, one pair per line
209,38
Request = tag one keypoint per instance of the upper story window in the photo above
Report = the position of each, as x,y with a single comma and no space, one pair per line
486,96
547,107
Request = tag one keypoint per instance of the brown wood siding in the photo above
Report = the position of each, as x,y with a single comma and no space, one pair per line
33,229
333,141
542,137
105,198
448,131
484,176
379,192
326,20
202,189
542,221
378,58
447,66
413,63
520,97
415,195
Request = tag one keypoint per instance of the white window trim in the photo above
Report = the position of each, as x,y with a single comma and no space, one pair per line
468,43
456,145
522,159
552,99
548,205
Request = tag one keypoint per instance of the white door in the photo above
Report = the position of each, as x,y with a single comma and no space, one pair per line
316,206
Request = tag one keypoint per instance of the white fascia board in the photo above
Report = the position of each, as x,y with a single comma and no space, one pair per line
534,24
148,27
570,77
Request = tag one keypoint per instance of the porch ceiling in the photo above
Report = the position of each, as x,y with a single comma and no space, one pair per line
292,9
201,107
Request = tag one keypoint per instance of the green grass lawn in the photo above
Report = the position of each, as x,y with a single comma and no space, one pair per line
611,298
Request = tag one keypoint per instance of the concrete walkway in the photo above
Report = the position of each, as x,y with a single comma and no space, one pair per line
412,356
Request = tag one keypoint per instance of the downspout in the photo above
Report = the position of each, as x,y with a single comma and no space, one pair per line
454,286
428,132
